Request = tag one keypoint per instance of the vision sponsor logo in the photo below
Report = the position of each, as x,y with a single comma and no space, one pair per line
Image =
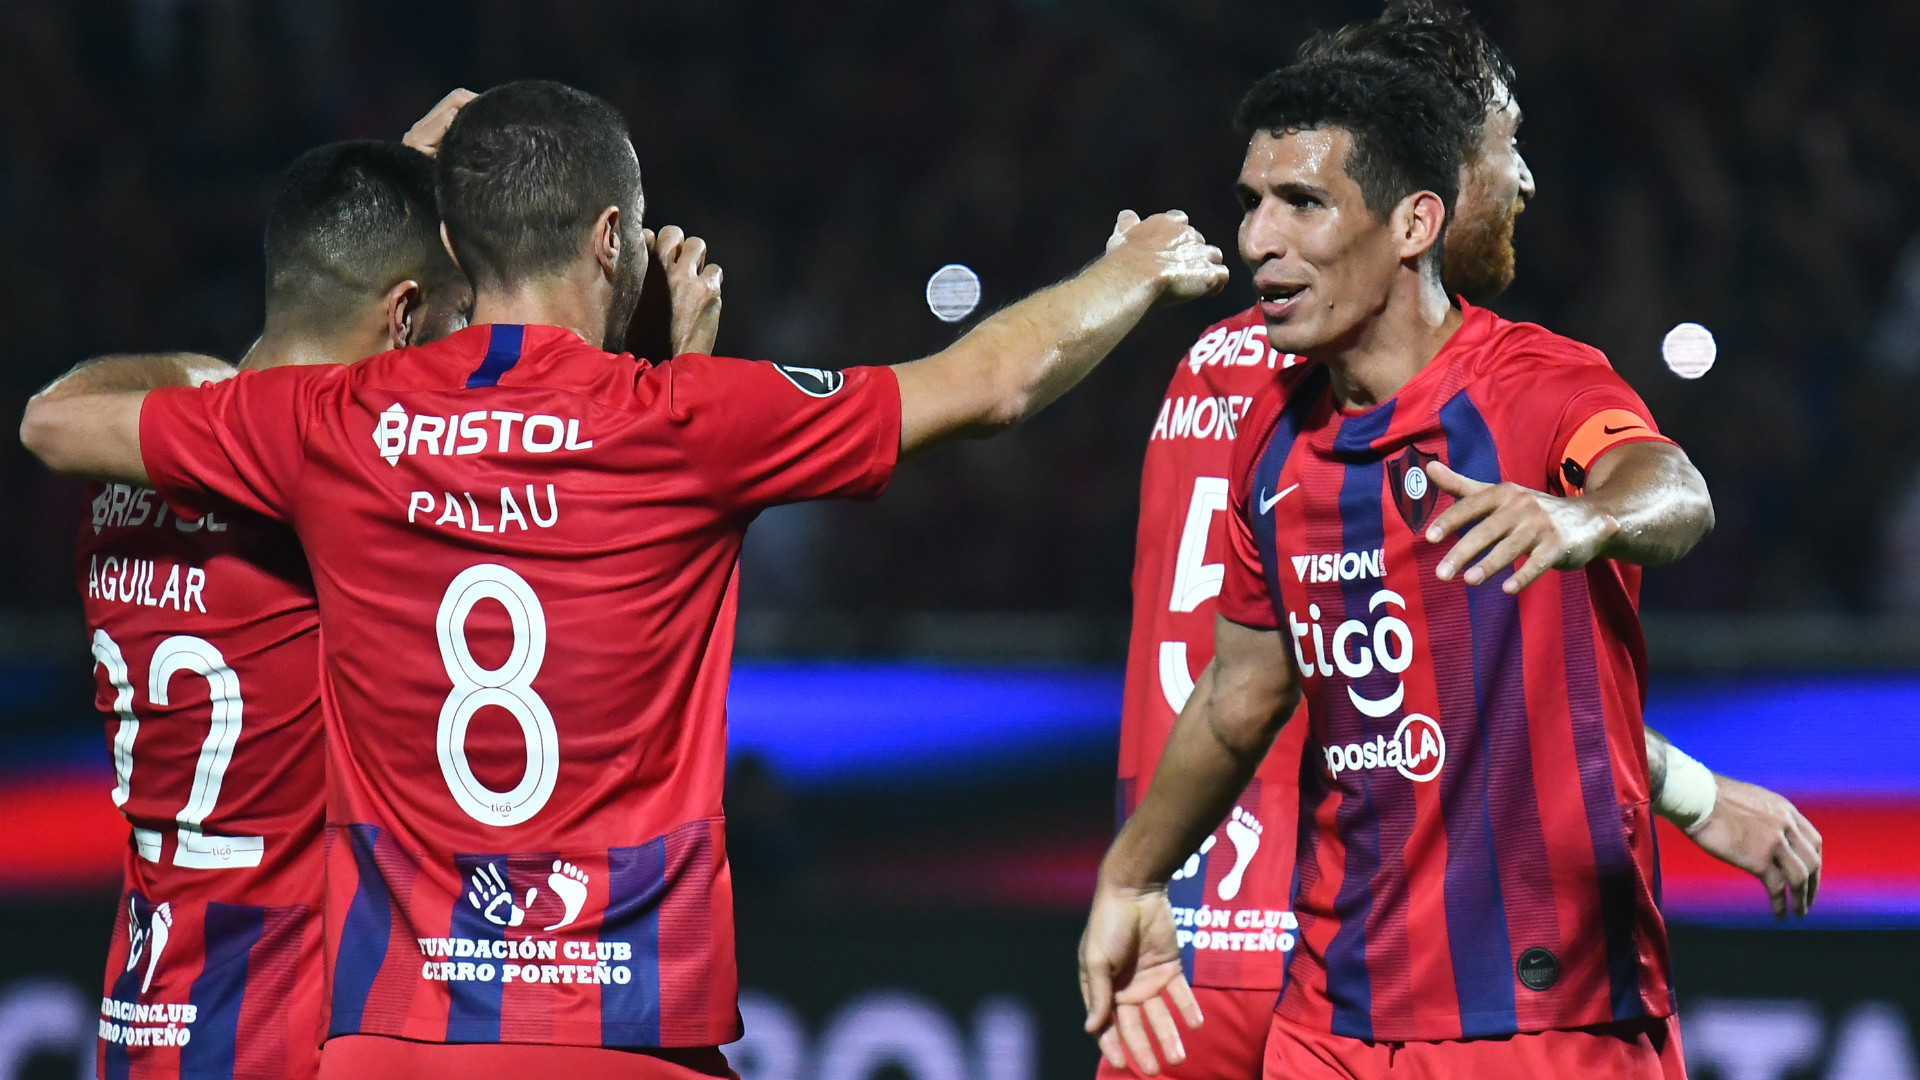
1357,647
1199,416
1417,751
1245,347
496,431
1340,566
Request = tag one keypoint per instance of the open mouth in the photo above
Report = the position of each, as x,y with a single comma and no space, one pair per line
1279,298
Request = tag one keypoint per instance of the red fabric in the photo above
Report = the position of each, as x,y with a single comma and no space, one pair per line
1476,787
371,1057
1631,1050
225,606
589,509
1229,1046
1179,555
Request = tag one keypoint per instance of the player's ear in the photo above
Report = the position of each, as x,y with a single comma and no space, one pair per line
1417,222
403,304
605,240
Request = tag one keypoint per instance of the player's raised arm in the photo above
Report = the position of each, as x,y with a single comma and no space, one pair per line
87,422
1016,362
1129,955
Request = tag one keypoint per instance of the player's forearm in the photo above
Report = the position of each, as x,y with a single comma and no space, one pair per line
95,435
1022,358
132,371
1656,763
1655,497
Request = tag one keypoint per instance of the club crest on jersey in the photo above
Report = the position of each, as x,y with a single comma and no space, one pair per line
1413,493
813,382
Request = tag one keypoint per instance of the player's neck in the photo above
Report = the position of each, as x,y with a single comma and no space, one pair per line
576,301
288,347
1385,352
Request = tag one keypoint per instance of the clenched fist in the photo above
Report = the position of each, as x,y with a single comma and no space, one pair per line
1165,246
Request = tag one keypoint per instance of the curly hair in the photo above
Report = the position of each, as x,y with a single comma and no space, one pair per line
1444,42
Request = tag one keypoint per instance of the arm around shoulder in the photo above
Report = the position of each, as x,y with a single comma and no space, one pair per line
87,422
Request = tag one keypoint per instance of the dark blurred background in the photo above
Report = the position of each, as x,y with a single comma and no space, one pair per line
1751,166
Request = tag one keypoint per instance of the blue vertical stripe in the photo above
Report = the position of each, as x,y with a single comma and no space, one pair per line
1266,480
1349,980
363,935
1612,860
473,1006
503,351
126,985
220,989
636,882
1476,913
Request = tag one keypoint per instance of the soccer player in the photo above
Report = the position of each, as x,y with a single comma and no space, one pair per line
1242,875
522,546
205,638
1475,888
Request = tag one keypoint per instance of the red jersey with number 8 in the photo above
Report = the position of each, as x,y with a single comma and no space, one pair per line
206,652
1230,898
523,549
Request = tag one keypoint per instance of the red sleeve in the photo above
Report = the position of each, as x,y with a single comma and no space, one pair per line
239,440
1600,412
765,434
1244,597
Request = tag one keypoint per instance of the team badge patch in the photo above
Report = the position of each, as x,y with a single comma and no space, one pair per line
813,382
1413,493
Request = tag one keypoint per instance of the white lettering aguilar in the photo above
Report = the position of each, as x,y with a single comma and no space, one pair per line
130,581
589,963
463,511
399,435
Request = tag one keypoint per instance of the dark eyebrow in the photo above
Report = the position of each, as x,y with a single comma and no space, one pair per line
1296,189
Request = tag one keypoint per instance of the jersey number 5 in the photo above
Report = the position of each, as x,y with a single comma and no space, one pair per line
1195,581
509,686
182,652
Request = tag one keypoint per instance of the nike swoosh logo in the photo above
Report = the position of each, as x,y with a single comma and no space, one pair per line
1266,504
1604,430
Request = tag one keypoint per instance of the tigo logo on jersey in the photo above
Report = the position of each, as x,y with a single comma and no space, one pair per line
1357,648
1417,751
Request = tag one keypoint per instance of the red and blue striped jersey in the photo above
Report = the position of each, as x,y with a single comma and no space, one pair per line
524,550
1476,854
206,648
1230,899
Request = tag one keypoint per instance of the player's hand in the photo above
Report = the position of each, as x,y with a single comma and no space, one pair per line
1129,972
426,132
1171,252
1767,836
694,286
1513,523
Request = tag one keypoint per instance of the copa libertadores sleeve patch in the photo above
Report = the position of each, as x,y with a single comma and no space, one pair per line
813,382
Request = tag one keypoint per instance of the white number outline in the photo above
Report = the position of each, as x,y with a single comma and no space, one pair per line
509,686
196,849
1195,581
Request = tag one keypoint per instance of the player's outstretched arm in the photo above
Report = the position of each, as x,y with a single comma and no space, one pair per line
1022,358
87,422
1129,955
1644,503
1741,824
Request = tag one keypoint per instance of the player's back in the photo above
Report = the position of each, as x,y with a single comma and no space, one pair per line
523,547
1241,877
205,640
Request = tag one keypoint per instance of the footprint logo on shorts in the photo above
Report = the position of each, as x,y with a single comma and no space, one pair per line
1243,830
490,894
152,941
569,883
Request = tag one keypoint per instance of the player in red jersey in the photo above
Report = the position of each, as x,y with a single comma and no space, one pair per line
1476,856
1231,898
205,638
522,547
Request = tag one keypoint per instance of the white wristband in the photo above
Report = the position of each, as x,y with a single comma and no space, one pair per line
1688,795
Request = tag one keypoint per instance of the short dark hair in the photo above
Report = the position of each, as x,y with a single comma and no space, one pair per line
1407,136
1444,42
524,171
350,221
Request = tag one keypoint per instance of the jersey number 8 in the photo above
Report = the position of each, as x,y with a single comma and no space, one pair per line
509,686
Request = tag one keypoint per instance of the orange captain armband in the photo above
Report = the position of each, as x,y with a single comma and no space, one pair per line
1603,431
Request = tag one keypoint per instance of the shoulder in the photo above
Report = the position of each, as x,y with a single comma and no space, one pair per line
1508,346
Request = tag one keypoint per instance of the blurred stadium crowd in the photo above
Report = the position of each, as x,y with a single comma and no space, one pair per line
1750,166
